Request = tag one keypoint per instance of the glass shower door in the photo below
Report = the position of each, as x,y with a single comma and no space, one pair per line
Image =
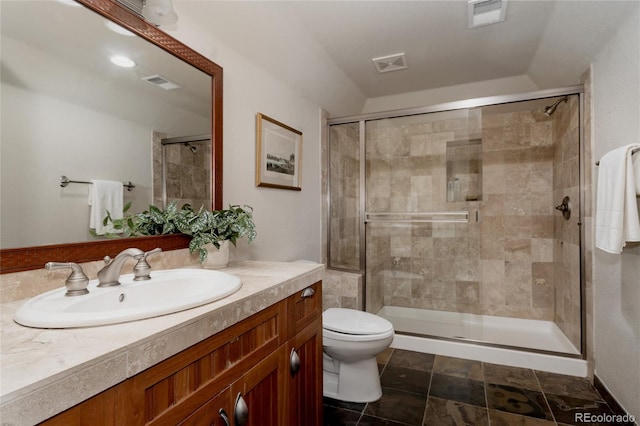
423,189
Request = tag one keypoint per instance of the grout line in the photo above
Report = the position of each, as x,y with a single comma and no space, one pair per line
486,398
426,405
544,395
384,366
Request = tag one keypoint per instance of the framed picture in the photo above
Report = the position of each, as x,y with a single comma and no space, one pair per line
278,154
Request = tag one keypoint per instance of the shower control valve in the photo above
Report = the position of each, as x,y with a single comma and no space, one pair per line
565,208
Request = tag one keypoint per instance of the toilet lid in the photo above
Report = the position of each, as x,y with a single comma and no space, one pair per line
350,321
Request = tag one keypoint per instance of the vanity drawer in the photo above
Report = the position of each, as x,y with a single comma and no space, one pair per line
171,391
167,392
304,307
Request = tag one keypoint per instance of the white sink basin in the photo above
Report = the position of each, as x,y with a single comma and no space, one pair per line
165,293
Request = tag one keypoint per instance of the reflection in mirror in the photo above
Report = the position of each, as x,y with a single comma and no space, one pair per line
74,113
67,110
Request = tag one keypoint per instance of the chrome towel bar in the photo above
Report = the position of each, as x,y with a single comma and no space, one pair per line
64,181
633,151
422,217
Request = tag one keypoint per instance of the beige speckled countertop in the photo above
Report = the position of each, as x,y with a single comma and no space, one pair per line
45,371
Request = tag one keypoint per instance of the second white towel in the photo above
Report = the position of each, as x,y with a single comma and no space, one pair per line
104,195
617,219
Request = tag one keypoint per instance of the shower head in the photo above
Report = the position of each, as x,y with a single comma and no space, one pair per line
552,108
192,148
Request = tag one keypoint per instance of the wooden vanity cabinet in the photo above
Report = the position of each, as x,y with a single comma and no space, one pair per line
251,363
304,390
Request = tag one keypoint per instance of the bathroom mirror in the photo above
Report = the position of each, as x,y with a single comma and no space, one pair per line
71,140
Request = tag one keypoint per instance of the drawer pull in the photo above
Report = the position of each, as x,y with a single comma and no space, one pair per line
224,416
240,411
308,292
294,362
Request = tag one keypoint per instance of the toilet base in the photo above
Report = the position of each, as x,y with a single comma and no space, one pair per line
356,382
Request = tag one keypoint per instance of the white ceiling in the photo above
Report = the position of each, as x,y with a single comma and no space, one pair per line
552,42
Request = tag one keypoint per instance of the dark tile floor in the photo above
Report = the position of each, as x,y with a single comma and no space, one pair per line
425,389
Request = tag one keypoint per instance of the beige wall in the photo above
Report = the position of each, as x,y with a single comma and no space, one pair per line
288,222
499,86
616,282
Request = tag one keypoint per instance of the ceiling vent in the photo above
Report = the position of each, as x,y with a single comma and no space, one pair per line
162,82
485,12
390,63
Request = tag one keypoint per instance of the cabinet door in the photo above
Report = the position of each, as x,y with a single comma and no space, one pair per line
305,377
258,395
214,412
304,307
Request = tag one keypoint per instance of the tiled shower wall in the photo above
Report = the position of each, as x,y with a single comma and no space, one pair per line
567,242
344,187
501,265
423,265
518,215
188,173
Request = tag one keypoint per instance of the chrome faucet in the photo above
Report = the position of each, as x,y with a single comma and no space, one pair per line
108,276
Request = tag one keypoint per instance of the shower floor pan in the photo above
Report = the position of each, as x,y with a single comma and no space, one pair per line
508,341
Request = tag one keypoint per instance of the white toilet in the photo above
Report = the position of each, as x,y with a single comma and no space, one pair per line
351,340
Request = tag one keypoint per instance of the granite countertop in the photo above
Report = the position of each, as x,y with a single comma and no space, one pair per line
45,371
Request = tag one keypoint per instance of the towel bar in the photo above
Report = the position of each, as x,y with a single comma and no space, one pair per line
633,151
64,181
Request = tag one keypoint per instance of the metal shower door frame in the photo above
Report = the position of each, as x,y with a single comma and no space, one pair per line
452,106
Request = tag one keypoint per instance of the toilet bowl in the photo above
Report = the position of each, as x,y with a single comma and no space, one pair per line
350,341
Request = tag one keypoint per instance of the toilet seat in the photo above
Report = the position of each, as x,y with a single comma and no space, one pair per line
352,325
329,335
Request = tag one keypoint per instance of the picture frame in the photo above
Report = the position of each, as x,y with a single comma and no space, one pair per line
278,154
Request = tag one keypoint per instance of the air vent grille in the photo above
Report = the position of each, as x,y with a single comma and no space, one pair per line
162,82
390,63
485,12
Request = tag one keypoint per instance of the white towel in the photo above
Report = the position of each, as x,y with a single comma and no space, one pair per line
104,195
617,219
635,160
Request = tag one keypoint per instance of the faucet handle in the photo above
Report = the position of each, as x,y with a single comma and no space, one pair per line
142,270
77,282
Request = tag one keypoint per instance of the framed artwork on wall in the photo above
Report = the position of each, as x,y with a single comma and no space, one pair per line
278,154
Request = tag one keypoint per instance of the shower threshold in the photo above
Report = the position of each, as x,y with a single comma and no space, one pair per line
509,341
504,331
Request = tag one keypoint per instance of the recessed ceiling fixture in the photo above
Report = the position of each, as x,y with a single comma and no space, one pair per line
485,12
162,82
390,63
122,61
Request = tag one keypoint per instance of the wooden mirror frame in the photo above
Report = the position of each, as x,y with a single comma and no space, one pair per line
29,258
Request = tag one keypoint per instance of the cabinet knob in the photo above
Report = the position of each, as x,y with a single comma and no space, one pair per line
225,418
308,292
294,362
240,411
